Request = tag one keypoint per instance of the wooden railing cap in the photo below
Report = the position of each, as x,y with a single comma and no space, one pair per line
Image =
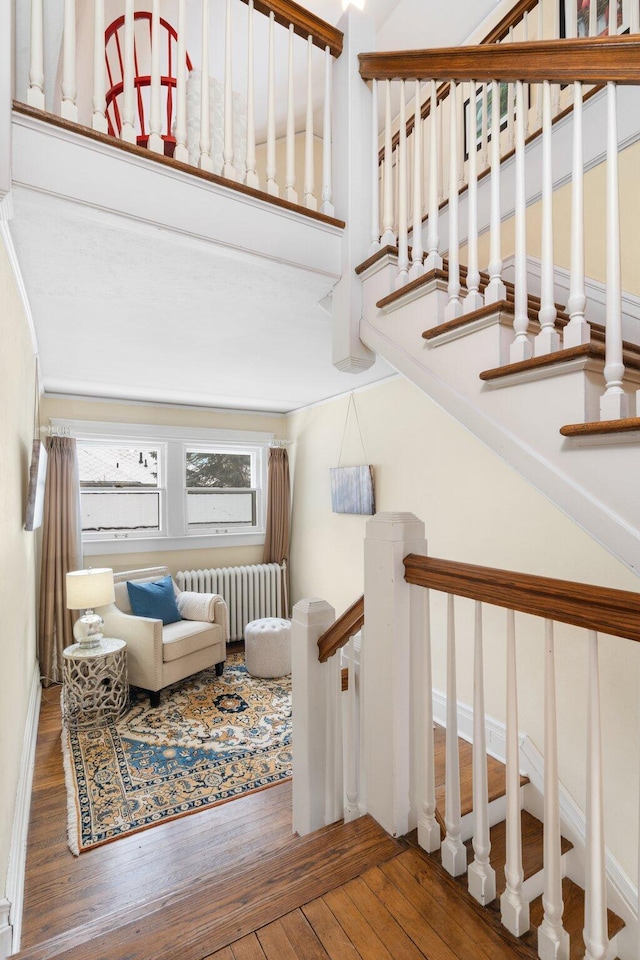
339,632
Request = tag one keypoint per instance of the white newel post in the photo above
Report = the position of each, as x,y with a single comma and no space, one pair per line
310,709
352,136
390,745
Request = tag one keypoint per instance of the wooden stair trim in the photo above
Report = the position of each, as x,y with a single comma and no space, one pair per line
538,363
601,427
305,23
411,287
591,60
341,630
501,306
144,153
380,254
615,612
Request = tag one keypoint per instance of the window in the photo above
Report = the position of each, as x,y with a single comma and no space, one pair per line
120,489
220,488
145,487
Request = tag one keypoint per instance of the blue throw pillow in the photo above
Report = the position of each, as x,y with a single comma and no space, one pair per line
156,600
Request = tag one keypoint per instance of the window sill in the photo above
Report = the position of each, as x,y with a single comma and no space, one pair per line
124,545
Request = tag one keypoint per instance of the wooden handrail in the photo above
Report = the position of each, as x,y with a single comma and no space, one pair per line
590,60
512,19
339,632
305,23
616,612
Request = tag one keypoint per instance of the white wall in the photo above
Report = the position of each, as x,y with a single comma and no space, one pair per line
477,510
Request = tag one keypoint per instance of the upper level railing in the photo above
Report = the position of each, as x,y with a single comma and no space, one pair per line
246,97
339,633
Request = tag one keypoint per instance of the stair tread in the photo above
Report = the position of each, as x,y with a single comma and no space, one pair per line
573,917
532,848
601,427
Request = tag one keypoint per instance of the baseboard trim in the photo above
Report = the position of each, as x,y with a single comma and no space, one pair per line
18,852
5,929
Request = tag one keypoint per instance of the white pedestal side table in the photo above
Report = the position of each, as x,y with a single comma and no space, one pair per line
95,686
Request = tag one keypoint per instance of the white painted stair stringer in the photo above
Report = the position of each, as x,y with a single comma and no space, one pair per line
596,491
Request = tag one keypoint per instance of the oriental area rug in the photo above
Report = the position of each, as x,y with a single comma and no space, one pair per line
212,739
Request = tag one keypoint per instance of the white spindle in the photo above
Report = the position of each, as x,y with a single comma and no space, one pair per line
526,88
595,931
460,112
454,306
351,811
128,131
180,152
511,108
417,252
496,290
388,234
333,798
206,159
571,18
540,37
634,17
521,347
434,260
440,115
309,175
481,875
403,237
548,339
272,186
473,299
327,185
484,157
556,34
614,403
251,178
513,906
99,120
35,93
290,191
228,168
453,852
613,17
428,826
69,107
155,142
577,330
553,940
593,18
376,171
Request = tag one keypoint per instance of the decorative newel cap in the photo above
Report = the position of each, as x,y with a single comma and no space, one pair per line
395,526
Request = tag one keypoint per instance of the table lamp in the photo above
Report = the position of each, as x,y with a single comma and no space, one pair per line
87,589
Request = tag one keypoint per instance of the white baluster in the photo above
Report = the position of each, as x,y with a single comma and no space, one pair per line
327,185
251,178
577,330
403,238
511,108
417,252
548,339
333,796
351,811
377,171
272,186
428,826
388,234
35,93
228,168
496,290
155,142
434,260
473,299
595,931
634,17
290,191
614,404
453,851
540,37
571,18
460,138
440,114
513,906
128,131
593,18
180,152
309,176
69,107
454,306
99,120
526,88
484,157
556,34
521,347
613,18
206,159
553,940
481,875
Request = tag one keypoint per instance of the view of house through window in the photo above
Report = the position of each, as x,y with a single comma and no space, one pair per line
119,488
220,488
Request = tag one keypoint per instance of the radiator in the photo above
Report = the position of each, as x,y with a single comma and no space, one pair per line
250,592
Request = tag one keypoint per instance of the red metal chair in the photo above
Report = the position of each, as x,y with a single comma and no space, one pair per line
114,56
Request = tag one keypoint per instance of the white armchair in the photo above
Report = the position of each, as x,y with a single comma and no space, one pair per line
158,655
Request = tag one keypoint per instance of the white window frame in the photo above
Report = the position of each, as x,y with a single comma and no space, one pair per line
253,451
175,534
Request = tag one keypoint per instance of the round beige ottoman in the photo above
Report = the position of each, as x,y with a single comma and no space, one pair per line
267,647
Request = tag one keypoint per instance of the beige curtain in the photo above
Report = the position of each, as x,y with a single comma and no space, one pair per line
61,552
276,541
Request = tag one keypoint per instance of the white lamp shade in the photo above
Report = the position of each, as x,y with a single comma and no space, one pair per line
87,589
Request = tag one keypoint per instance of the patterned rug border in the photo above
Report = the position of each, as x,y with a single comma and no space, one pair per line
75,806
